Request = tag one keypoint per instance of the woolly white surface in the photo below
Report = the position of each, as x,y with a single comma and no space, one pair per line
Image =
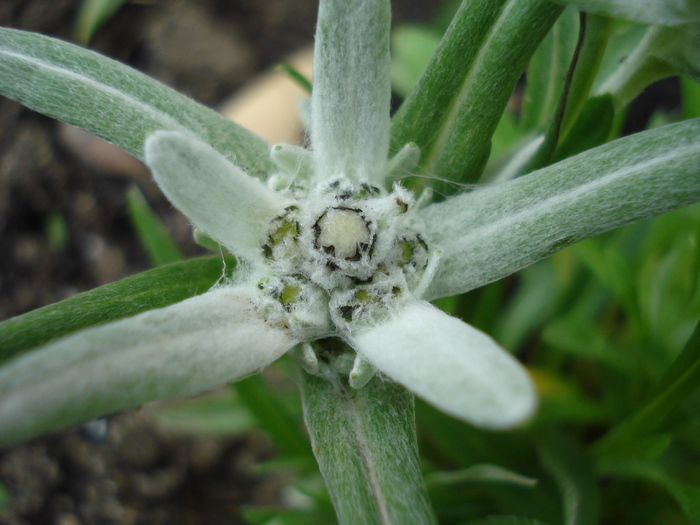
179,350
219,198
450,364
352,90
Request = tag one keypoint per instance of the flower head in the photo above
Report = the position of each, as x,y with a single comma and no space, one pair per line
330,249
326,248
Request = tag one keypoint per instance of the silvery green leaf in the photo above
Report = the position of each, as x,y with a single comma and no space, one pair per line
659,12
113,101
155,288
450,364
496,230
352,90
660,52
365,444
179,350
293,160
218,197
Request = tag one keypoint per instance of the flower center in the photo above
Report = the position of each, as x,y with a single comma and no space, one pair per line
343,233
343,254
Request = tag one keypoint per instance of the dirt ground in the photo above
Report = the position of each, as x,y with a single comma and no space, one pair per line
64,229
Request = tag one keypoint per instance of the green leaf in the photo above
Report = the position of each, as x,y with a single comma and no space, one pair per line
92,14
686,495
480,474
597,37
679,382
545,74
559,103
296,76
575,479
590,130
679,48
573,337
624,39
492,232
691,98
179,350
148,290
365,444
454,109
217,414
662,52
270,414
113,101
507,520
662,12
159,245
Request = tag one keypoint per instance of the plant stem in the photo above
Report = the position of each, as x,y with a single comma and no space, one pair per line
365,443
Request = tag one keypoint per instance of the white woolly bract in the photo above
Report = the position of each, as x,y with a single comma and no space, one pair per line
457,368
352,91
219,198
179,350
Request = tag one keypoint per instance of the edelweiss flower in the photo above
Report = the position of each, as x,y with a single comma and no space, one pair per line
326,249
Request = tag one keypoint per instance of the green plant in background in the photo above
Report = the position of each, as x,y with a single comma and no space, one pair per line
334,265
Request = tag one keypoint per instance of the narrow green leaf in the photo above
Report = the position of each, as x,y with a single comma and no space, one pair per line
545,74
148,290
574,476
296,76
691,98
220,413
271,416
179,350
686,495
482,473
598,32
159,245
663,12
591,129
679,48
573,336
553,130
113,101
365,444
454,109
677,384
507,520
496,230
660,53
624,39
92,14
